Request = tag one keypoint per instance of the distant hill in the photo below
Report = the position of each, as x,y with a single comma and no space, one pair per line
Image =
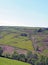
25,38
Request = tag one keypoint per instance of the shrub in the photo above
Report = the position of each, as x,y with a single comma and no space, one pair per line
23,34
40,30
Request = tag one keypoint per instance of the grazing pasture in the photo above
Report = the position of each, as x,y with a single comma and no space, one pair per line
14,39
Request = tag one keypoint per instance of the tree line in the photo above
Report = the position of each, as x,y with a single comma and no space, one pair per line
31,58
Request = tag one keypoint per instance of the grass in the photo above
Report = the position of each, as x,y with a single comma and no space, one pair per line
21,41
5,61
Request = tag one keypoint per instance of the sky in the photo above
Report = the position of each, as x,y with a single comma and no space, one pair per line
32,13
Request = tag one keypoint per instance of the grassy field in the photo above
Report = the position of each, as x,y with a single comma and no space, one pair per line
13,39
5,61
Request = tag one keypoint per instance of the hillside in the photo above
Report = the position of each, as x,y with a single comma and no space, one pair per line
25,44
25,38
5,61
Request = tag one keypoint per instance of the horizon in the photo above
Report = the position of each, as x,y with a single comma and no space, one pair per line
22,26
25,13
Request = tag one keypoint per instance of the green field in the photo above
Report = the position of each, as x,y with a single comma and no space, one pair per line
19,41
5,61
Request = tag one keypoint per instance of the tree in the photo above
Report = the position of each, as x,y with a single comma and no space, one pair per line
37,48
35,56
46,61
42,60
7,55
23,34
40,30
22,57
29,56
15,55
1,51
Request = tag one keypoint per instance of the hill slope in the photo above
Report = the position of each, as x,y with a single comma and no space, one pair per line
26,38
5,61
